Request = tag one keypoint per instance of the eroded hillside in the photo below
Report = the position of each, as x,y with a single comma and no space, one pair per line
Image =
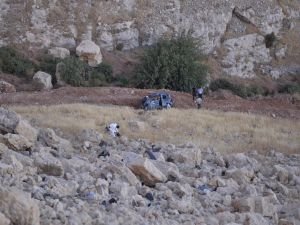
234,31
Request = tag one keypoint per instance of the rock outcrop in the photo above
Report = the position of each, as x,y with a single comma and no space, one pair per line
128,24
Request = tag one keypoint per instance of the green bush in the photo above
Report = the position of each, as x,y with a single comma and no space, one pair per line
106,70
14,62
48,65
97,79
73,71
238,89
122,81
172,64
290,88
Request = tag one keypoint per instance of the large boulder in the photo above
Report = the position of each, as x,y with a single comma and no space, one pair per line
6,87
18,207
42,80
88,51
58,52
243,54
16,142
8,120
144,169
48,164
49,138
26,130
4,220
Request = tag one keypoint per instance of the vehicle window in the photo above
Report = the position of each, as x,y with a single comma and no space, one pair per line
164,97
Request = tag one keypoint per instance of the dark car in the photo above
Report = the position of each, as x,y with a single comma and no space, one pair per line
157,100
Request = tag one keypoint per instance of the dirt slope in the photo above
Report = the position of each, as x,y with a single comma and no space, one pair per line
283,106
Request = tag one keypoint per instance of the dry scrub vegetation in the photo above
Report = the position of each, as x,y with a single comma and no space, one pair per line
225,132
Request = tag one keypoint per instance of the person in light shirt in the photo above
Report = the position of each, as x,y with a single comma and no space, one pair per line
113,129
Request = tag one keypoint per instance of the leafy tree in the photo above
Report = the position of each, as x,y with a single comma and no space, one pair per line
172,64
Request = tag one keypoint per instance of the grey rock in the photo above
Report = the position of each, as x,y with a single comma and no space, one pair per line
58,52
48,164
19,207
144,169
42,80
8,120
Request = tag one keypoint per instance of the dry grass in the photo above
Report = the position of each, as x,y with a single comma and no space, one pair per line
226,132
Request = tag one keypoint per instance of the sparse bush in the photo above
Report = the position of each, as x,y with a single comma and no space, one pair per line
122,81
172,64
238,89
106,70
97,79
48,65
221,84
74,71
14,62
291,88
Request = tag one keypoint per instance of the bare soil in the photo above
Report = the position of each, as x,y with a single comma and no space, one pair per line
285,106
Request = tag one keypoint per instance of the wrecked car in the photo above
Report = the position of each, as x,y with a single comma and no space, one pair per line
157,100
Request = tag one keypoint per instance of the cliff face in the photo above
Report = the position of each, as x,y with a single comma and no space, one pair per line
222,25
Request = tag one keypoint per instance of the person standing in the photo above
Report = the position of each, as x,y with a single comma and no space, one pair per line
199,97
194,93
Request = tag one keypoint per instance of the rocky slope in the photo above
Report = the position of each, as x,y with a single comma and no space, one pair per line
94,179
234,31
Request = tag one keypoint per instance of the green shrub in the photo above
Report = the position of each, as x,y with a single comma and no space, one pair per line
48,65
291,88
97,79
122,81
238,89
74,71
14,62
172,64
221,84
106,70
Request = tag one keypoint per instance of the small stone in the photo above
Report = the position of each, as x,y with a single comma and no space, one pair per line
149,196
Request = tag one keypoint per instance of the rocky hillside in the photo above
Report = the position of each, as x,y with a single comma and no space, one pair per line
243,37
93,180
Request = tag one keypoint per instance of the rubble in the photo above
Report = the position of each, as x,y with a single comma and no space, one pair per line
127,187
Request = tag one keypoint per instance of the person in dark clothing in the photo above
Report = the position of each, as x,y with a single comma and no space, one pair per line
160,101
194,93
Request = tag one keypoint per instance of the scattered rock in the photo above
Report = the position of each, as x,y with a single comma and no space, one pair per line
6,87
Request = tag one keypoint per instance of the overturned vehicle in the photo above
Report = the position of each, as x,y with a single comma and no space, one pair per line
157,100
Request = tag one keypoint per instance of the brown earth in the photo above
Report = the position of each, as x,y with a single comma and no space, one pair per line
285,106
